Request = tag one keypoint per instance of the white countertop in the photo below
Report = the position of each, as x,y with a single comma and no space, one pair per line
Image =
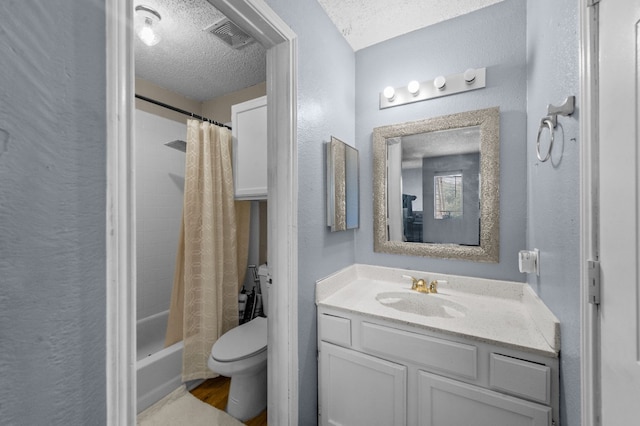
505,313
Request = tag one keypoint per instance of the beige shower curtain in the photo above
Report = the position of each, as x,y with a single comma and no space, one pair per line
212,251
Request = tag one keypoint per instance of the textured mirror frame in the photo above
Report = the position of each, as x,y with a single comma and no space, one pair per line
489,248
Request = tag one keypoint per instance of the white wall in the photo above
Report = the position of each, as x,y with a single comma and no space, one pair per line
159,183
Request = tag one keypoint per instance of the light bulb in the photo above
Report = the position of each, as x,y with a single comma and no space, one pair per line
470,76
389,93
440,82
148,36
146,25
413,87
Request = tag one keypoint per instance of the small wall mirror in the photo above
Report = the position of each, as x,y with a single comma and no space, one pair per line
343,186
436,187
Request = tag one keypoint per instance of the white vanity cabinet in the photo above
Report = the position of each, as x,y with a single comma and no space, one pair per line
379,372
249,124
359,389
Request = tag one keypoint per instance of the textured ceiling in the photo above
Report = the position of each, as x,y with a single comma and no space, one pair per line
194,62
436,144
367,22
198,65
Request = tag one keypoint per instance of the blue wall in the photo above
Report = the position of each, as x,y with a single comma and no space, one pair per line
494,38
52,213
507,38
553,187
326,98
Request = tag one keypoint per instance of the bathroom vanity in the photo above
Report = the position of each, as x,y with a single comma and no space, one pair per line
477,352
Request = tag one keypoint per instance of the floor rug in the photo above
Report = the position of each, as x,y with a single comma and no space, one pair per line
182,408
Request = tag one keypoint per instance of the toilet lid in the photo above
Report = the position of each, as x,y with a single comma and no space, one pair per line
241,342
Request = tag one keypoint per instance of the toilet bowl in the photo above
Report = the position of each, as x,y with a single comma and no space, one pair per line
241,354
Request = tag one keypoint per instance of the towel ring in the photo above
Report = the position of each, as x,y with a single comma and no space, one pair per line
545,122
551,120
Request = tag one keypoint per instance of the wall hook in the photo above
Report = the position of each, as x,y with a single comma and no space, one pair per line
567,108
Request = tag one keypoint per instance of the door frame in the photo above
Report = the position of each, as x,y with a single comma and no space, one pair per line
256,18
589,207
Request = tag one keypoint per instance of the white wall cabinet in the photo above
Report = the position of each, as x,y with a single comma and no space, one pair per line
249,124
377,372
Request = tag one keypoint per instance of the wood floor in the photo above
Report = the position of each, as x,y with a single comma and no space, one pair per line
216,391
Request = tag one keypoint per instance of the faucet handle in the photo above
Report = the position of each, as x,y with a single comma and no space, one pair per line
414,281
433,286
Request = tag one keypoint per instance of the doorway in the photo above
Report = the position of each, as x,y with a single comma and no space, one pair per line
257,19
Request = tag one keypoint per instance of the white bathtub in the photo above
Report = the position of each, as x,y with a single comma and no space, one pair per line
158,369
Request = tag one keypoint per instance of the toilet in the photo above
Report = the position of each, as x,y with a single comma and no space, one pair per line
241,354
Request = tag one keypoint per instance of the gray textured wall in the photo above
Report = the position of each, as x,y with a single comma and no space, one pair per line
553,187
326,93
494,38
52,213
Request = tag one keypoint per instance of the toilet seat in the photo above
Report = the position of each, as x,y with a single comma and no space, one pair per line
244,341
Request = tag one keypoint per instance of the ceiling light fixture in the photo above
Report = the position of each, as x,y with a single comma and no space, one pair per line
146,25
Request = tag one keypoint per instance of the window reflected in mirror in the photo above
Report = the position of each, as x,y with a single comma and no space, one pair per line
447,196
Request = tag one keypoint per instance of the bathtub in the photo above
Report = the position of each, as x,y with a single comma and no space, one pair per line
158,369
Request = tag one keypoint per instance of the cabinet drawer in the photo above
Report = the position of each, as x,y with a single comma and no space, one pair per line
521,378
430,352
335,330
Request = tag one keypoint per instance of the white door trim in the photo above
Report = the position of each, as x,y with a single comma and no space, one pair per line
588,107
120,215
255,17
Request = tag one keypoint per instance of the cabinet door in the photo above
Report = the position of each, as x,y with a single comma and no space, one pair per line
250,149
446,402
360,390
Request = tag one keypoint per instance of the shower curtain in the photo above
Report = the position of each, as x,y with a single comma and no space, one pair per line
212,251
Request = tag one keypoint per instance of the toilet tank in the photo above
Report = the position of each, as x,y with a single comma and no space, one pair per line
265,285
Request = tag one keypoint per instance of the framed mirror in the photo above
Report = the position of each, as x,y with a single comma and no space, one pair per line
437,187
343,186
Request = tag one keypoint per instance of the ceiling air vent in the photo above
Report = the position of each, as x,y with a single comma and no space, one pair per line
230,33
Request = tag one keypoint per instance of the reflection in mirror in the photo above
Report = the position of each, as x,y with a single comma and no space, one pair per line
436,187
447,196
342,186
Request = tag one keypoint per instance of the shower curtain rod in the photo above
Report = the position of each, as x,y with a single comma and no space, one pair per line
181,111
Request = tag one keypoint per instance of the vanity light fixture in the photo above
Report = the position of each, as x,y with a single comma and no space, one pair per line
389,93
415,91
146,25
413,87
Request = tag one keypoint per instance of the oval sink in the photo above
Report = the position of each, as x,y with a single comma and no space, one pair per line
431,305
